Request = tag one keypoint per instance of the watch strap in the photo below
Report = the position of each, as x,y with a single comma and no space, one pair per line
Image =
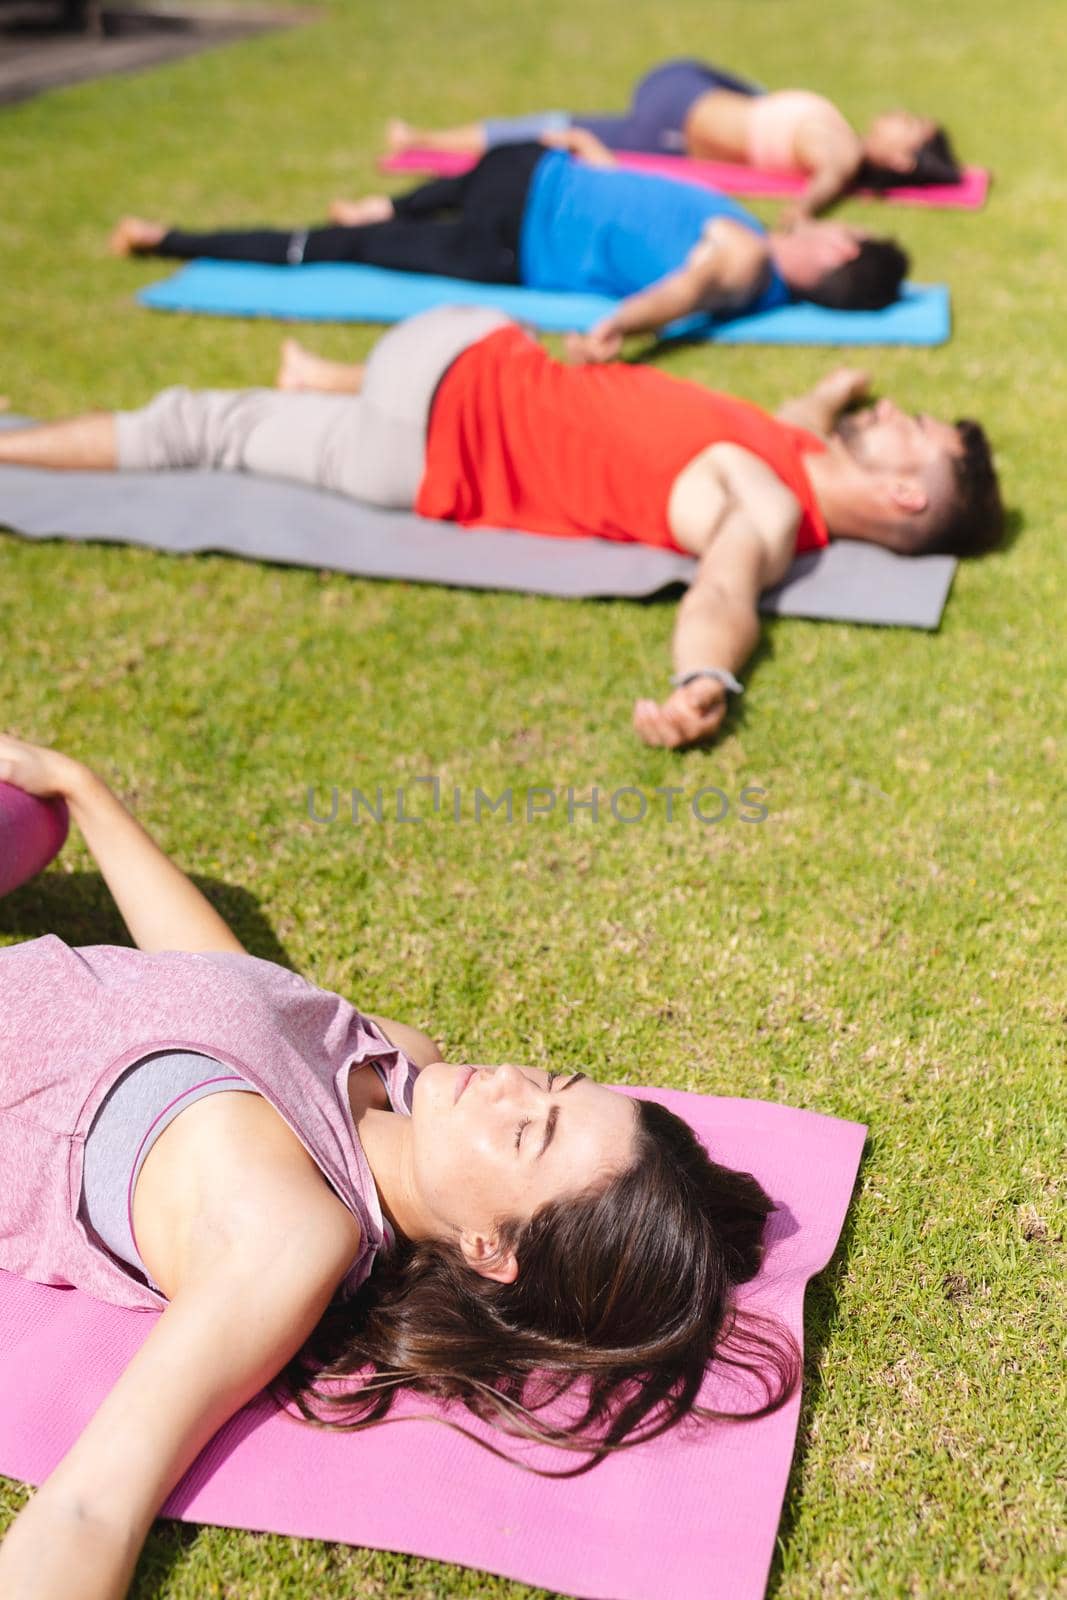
720,674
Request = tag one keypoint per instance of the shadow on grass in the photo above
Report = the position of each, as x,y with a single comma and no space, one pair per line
650,353
736,713
78,908
1014,528
165,1551
820,1323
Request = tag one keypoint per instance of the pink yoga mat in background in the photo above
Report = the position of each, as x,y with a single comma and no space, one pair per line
968,195
692,1515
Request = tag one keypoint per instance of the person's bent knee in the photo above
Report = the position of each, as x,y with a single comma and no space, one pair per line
183,428
163,434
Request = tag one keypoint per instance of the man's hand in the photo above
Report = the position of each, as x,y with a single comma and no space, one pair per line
600,344
844,387
792,214
690,715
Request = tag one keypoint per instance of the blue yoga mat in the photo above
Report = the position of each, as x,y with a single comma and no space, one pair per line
330,292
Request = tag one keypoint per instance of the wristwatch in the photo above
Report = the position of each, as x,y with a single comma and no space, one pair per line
720,674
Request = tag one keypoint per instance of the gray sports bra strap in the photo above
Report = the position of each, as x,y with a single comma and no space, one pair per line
133,1114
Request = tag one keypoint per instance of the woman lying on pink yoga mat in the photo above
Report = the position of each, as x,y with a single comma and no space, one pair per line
191,1130
692,108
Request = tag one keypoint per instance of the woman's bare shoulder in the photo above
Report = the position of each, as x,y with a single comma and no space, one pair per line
220,1180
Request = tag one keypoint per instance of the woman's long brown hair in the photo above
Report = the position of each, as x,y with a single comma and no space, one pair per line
622,1302
935,163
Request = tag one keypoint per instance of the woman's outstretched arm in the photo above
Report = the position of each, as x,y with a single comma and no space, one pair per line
832,157
160,906
256,1284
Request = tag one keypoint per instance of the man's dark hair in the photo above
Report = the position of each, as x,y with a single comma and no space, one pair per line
974,520
935,162
868,282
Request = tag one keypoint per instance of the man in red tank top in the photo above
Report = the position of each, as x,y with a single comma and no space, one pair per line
629,453
464,417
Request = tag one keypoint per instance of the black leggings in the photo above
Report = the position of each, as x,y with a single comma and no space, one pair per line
480,244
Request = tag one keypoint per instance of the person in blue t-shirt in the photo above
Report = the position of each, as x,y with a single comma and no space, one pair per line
543,218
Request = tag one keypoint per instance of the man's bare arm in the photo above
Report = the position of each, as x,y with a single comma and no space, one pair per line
672,297
749,547
819,409
716,625
726,271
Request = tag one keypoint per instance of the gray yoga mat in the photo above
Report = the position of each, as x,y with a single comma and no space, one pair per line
268,520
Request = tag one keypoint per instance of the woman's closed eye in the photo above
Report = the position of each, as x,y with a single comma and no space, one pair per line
525,1123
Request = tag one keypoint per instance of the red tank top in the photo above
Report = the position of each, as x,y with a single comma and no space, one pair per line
518,440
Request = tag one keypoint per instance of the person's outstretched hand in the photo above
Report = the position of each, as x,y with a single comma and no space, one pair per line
600,344
691,715
35,769
792,215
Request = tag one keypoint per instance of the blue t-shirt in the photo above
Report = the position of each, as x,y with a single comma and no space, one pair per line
600,230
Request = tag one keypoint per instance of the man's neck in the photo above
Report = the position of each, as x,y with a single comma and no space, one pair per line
839,492
781,253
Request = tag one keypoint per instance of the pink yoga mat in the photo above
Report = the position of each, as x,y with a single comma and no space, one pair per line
687,1516
32,831
968,195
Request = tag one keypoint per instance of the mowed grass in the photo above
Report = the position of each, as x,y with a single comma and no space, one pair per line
883,947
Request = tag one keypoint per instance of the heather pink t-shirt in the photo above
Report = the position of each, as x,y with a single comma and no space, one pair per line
72,1020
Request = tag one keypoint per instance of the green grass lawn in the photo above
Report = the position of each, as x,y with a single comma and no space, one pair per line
882,948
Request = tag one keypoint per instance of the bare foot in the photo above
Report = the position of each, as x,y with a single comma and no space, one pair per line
294,365
302,369
298,368
359,213
400,136
136,236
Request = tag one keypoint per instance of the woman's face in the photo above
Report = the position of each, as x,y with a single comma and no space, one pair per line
895,138
495,1143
